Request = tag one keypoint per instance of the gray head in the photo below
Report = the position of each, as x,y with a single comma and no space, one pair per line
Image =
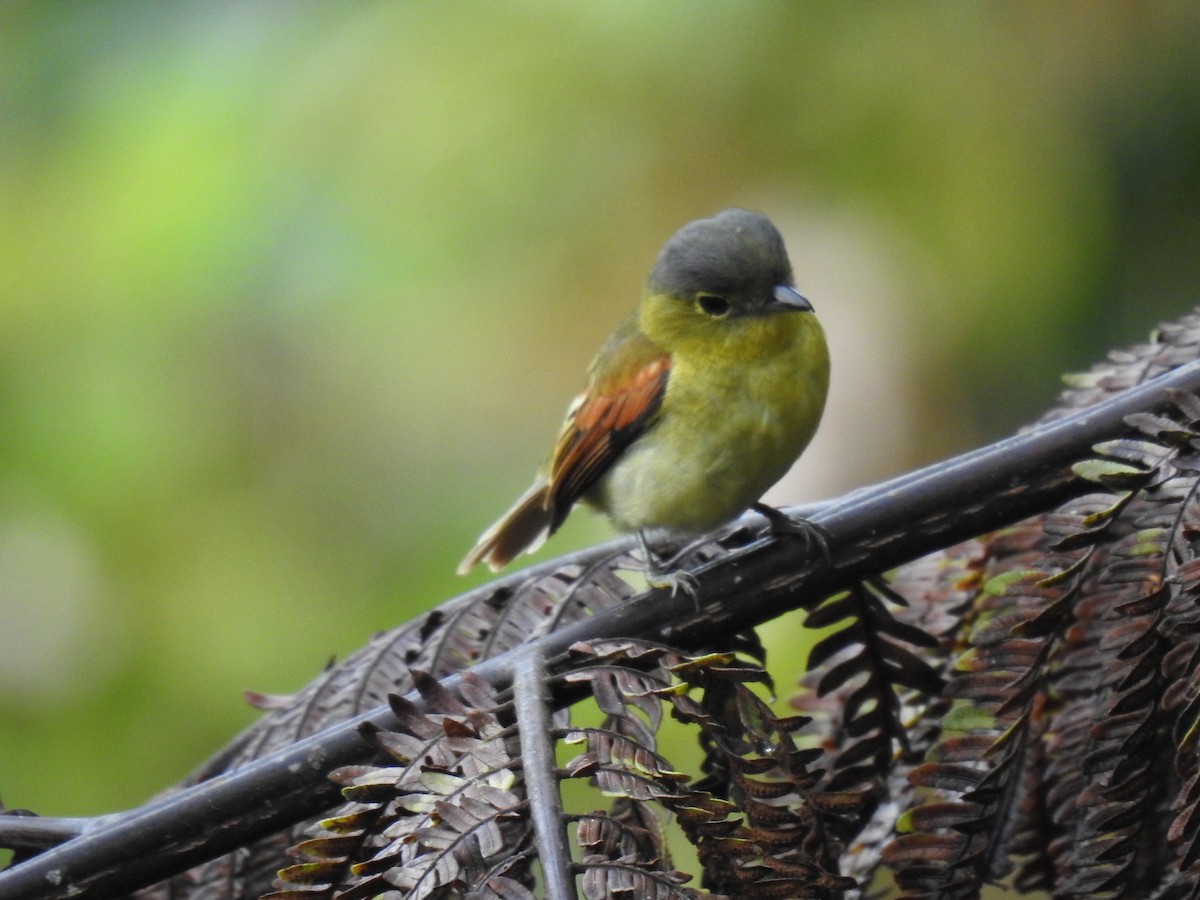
735,255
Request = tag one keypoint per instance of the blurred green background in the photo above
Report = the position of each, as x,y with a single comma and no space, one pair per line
293,295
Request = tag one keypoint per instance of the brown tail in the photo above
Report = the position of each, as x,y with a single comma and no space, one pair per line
524,527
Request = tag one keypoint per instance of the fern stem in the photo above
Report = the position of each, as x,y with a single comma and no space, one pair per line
531,701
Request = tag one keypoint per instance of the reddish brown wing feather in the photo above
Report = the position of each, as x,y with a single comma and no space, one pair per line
624,393
604,421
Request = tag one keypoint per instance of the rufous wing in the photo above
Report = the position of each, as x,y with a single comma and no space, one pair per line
623,396
602,422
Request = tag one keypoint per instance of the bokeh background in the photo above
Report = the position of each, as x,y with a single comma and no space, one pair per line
293,295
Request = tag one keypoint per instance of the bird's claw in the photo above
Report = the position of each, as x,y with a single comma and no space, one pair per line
660,579
676,581
811,533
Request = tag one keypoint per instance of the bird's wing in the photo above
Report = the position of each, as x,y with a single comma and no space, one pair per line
623,395
621,401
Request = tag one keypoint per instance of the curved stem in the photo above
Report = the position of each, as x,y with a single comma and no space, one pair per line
532,703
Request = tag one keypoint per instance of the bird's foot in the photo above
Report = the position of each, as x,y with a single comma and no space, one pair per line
810,532
659,578
676,581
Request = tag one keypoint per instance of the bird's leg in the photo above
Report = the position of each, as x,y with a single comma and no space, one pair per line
678,580
781,523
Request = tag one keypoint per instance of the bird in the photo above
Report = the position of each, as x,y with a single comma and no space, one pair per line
698,402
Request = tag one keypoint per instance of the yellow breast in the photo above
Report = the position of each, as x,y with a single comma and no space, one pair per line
740,407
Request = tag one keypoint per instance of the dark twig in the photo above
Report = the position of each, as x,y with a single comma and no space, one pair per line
29,832
530,699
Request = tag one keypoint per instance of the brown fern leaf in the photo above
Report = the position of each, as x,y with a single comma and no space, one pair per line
603,879
937,592
787,845
979,800
877,651
623,848
1045,760
1111,832
1181,666
446,815
448,639
782,845
971,791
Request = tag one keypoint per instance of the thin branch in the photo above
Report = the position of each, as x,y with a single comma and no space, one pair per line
30,832
869,530
532,705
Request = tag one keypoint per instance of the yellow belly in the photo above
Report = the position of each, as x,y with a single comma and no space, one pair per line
726,434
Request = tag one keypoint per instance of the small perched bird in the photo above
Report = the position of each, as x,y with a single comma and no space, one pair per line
699,401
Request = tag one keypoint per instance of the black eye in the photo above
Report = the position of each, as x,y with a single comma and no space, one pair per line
713,305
